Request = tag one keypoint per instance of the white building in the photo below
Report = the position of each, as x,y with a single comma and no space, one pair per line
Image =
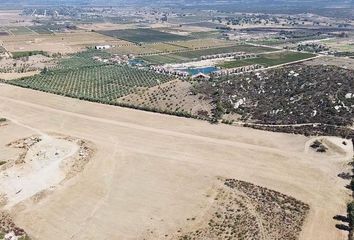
102,47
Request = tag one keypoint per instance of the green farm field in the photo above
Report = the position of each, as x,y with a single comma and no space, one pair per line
143,35
268,60
164,58
179,57
103,83
237,48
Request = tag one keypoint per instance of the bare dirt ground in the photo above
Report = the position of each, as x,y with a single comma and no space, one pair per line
57,43
336,61
14,18
16,75
24,67
152,172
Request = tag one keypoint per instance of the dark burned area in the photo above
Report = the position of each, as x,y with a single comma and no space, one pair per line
291,95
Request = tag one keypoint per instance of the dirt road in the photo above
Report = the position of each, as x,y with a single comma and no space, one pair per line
151,172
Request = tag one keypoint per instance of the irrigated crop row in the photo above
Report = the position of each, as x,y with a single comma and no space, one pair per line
96,83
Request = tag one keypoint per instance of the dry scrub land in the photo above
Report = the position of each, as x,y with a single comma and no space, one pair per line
298,94
160,175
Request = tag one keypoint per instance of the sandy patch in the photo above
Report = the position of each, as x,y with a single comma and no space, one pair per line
153,171
14,75
39,170
57,43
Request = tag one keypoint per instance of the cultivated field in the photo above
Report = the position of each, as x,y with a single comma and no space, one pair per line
56,43
162,176
203,50
134,49
101,83
205,43
271,59
143,35
173,96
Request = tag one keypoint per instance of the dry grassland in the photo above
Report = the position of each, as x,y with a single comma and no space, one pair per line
151,173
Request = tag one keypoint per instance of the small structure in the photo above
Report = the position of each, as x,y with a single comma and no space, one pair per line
102,47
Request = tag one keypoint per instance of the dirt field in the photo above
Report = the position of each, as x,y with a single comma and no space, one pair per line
152,172
15,75
336,61
13,18
57,43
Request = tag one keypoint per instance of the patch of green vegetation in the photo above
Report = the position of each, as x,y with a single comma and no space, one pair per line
165,58
199,35
2,163
16,55
83,59
180,57
102,83
234,64
143,35
2,120
237,48
268,60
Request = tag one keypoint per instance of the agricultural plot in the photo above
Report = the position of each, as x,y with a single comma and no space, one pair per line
20,30
82,59
16,55
268,60
166,47
105,83
205,43
143,35
206,24
284,42
188,19
134,49
164,58
342,47
202,35
179,57
234,64
220,50
40,29
64,43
